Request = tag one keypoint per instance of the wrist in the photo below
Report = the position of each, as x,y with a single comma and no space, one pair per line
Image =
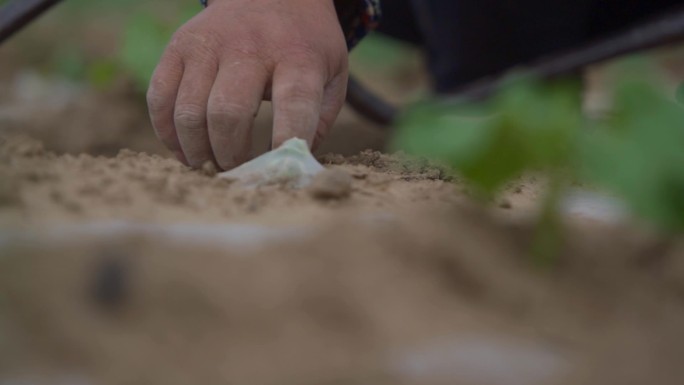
357,17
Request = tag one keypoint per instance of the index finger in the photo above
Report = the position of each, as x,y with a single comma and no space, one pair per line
297,98
161,98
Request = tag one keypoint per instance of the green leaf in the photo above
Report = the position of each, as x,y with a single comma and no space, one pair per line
103,73
70,63
640,154
144,41
378,51
679,94
145,38
527,127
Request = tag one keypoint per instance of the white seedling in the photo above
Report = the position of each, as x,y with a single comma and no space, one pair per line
291,164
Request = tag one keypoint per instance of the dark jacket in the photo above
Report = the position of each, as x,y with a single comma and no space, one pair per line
466,40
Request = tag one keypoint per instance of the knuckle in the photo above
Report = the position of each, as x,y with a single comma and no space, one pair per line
161,92
228,113
220,119
246,48
182,38
156,100
302,52
298,94
196,46
189,116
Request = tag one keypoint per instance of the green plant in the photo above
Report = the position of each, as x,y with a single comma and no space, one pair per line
637,153
145,37
143,30
380,52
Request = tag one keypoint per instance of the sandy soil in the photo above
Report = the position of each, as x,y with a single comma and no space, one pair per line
135,270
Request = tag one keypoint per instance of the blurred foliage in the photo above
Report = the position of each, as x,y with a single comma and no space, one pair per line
379,52
142,30
637,152
680,93
145,38
138,32
527,127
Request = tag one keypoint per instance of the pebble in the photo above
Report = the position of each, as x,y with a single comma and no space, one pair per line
331,184
209,169
505,204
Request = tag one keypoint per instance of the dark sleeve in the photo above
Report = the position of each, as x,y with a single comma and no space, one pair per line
357,18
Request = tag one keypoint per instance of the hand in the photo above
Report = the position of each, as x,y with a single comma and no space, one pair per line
220,65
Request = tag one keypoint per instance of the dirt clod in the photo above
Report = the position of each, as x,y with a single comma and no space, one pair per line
9,191
331,184
209,169
20,146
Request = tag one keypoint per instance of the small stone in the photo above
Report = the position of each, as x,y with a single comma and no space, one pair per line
505,204
209,169
331,184
360,175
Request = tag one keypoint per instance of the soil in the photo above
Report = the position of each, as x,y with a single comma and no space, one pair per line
332,183
133,269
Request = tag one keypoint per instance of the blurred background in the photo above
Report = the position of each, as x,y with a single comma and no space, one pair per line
76,78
